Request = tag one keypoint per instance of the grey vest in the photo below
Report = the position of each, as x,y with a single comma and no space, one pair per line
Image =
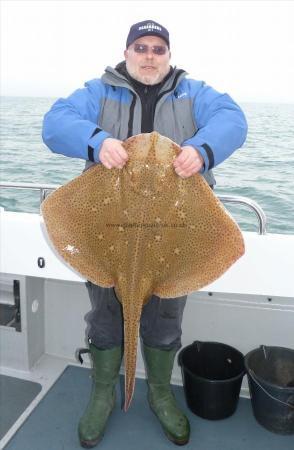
173,119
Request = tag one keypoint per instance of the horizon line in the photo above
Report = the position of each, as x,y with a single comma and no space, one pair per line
271,101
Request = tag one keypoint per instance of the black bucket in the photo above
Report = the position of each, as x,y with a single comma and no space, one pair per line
271,382
212,376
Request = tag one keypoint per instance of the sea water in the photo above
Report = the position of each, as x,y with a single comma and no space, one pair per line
263,169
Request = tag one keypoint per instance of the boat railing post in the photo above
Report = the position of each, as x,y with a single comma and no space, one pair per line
260,214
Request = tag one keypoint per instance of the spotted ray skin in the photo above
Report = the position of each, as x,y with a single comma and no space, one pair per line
142,230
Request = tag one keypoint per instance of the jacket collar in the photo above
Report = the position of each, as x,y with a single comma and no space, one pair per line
120,78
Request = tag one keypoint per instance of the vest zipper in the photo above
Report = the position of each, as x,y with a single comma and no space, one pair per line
131,117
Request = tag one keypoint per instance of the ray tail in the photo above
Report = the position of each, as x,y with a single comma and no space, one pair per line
132,315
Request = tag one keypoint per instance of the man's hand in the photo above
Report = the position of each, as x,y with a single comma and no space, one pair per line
112,154
188,162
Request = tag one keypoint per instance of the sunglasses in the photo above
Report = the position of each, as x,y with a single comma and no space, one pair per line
156,49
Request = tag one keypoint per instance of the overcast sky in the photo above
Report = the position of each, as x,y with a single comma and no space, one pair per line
245,48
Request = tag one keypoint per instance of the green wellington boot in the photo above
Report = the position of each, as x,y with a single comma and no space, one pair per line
159,364
106,365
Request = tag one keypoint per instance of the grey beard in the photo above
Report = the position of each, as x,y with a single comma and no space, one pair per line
148,80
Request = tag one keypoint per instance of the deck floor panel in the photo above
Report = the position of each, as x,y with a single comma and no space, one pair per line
15,396
53,423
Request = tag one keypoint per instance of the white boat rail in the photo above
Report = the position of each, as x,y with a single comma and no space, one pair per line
46,188
259,212
43,188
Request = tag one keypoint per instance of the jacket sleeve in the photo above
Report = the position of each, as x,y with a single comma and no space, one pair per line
70,126
222,126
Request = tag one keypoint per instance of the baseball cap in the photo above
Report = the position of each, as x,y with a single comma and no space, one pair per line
147,28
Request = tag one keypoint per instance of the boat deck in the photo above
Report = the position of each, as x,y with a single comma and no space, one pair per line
52,421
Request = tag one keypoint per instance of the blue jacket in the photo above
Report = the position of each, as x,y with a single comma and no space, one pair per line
187,111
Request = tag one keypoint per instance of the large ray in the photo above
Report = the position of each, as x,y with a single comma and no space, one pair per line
142,230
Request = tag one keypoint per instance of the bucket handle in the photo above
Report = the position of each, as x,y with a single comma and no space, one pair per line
198,344
195,343
252,374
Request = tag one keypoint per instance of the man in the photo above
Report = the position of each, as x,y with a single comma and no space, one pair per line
142,94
